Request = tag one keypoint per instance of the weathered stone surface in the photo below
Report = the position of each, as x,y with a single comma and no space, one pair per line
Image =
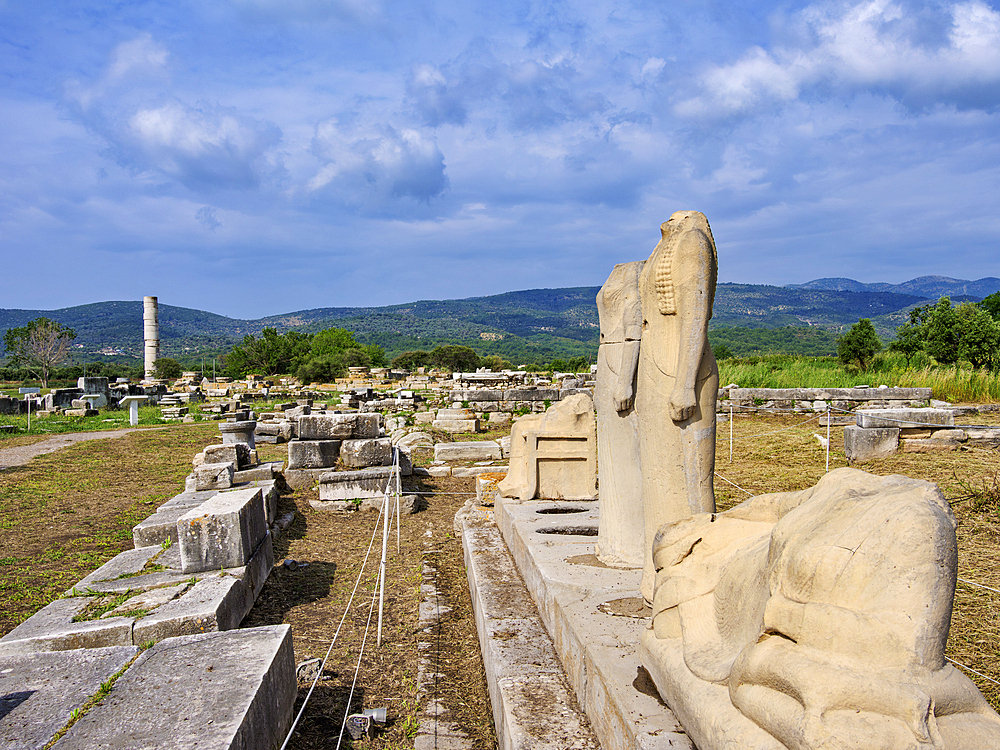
487,486
237,454
836,595
238,432
231,690
480,450
282,430
499,419
930,445
351,485
313,454
530,394
38,692
51,629
422,417
900,418
475,471
554,455
455,414
357,454
213,476
457,425
218,602
985,436
864,444
368,426
327,426
414,440
222,532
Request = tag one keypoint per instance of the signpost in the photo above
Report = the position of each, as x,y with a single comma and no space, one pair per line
29,392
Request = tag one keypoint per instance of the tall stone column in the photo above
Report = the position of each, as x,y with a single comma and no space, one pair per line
150,334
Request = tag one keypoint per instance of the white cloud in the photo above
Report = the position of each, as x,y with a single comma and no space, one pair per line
872,44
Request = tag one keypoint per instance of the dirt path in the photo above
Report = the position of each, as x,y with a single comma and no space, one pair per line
20,455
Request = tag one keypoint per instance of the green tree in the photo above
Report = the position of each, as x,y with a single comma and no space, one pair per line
39,346
271,354
455,358
991,305
942,332
577,364
325,369
411,360
911,337
979,335
721,351
166,368
859,345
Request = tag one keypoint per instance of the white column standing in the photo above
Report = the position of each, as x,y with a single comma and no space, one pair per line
150,334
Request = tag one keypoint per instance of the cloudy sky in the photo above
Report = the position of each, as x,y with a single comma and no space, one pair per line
252,157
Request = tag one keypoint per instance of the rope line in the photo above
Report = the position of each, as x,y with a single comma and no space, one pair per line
335,635
783,429
959,664
357,667
717,474
979,585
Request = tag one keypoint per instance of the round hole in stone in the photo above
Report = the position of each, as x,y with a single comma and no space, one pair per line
561,510
570,530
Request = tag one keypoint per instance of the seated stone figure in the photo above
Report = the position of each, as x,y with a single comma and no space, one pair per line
554,455
815,619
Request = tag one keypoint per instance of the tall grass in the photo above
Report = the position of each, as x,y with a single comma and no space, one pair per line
949,383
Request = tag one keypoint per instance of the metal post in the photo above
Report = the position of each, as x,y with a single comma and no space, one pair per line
730,433
829,412
386,510
28,400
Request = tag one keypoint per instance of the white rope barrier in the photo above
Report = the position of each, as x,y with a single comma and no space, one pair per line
717,474
970,669
979,585
357,668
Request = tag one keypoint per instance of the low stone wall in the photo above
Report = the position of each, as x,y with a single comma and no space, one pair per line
526,398
820,399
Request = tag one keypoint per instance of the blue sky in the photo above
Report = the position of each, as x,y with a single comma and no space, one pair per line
252,157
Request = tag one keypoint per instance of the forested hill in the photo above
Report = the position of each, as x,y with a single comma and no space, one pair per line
527,325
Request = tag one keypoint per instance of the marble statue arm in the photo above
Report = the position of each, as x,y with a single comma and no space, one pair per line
624,392
692,277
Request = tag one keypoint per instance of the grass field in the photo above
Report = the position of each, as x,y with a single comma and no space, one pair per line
66,513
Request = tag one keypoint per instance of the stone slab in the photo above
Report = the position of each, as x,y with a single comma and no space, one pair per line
357,454
38,692
213,476
237,454
327,426
51,629
353,485
456,425
367,425
232,690
217,602
444,414
901,418
533,704
479,450
222,532
930,445
581,603
475,471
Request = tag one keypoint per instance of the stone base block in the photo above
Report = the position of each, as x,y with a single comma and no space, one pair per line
313,454
327,426
352,485
222,532
904,417
456,425
863,444
213,476
357,454
481,450
213,690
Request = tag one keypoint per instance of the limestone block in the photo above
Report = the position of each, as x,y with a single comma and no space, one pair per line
499,419
985,436
222,532
368,425
39,691
456,414
815,619
424,417
214,476
213,690
237,454
475,471
484,407
408,504
531,394
52,629
238,432
413,440
487,485
351,485
554,455
863,444
904,417
457,425
357,454
327,426
483,450
930,445
313,454
437,471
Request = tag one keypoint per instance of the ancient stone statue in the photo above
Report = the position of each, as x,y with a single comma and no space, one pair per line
554,455
815,620
678,380
620,540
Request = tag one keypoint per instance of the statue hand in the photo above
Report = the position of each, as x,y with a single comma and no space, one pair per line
623,396
682,404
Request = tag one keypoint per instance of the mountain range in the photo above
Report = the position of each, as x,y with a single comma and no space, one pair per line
531,325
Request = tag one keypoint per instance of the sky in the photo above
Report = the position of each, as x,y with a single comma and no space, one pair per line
255,157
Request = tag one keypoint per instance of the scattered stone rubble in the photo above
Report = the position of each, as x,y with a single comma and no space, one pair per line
881,432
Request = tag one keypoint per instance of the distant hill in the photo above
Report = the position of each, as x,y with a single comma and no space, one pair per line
930,287
534,325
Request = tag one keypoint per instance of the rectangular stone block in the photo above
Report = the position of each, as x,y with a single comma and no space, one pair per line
38,692
213,476
457,425
233,690
223,532
237,454
904,417
357,454
863,444
531,394
424,417
475,471
52,629
351,485
480,450
456,414
327,426
313,454
368,425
